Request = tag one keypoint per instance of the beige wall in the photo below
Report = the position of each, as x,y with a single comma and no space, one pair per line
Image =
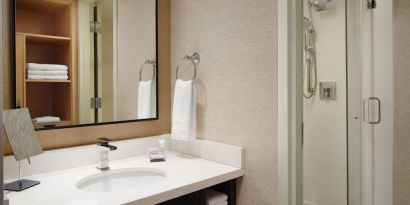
237,81
401,102
136,44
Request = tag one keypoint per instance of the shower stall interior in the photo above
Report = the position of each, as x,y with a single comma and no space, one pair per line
347,103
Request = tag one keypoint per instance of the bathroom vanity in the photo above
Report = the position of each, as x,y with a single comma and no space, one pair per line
198,197
189,169
107,49
79,68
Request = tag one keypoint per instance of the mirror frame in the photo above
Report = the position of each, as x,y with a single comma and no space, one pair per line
13,59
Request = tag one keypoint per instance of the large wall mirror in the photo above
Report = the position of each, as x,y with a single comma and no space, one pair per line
84,62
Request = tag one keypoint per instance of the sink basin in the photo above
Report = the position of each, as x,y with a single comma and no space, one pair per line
121,180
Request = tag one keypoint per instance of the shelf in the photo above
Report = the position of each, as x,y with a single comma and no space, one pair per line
44,35
49,99
38,38
48,81
48,17
42,6
61,123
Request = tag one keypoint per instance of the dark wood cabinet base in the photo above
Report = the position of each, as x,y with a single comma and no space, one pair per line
198,197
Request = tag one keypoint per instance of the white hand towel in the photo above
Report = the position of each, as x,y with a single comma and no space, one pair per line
146,100
154,99
215,198
44,77
46,119
184,111
46,67
47,73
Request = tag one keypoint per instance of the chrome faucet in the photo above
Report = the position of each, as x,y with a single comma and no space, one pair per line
103,148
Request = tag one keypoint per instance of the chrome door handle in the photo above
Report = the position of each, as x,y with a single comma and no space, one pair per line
370,119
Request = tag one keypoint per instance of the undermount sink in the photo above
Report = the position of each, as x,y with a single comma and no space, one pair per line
120,180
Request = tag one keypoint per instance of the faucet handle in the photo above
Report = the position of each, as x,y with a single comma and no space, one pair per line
104,140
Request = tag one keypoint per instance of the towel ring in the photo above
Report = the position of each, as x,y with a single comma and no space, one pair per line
154,68
194,59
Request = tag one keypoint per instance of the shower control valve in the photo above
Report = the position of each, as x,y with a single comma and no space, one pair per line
328,90
371,4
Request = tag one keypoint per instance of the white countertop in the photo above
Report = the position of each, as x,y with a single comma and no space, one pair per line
185,174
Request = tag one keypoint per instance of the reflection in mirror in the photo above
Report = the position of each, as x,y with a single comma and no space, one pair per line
86,61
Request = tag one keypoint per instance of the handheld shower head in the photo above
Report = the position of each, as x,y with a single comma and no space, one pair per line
307,23
319,5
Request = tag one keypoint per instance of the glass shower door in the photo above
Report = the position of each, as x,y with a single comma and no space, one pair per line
97,61
347,103
105,71
370,107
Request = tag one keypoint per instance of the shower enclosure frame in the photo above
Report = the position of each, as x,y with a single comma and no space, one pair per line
369,183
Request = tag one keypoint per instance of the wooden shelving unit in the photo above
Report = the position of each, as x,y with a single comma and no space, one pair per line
48,81
38,38
62,123
46,34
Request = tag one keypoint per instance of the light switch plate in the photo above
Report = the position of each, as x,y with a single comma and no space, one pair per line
327,90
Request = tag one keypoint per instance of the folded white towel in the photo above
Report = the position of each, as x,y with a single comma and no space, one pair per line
215,198
46,67
46,119
184,111
146,100
47,73
221,203
44,77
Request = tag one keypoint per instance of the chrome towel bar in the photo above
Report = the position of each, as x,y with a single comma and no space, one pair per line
154,68
194,59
